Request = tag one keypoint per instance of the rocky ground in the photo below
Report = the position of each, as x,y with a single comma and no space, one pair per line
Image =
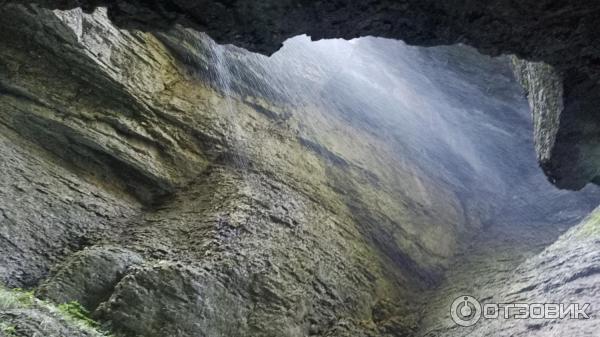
135,186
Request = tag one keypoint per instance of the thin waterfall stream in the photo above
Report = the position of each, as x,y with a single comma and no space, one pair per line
223,78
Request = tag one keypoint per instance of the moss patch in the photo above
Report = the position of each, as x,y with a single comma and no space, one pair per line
72,313
7,329
590,226
15,299
75,311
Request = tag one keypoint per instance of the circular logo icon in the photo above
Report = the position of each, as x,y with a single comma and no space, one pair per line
466,311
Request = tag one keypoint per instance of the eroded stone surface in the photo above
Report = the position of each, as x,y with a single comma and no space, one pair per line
89,276
276,229
251,223
47,212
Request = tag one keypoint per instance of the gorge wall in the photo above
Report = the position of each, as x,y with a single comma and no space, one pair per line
175,187
174,221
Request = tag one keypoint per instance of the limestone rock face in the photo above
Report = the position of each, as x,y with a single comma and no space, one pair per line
562,34
544,88
183,219
171,198
90,61
48,212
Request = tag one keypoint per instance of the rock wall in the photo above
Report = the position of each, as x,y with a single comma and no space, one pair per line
564,122
178,226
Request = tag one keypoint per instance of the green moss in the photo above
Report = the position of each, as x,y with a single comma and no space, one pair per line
73,312
15,299
24,297
9,330
590,226
76,311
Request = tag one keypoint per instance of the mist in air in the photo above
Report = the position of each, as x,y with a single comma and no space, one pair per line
459,116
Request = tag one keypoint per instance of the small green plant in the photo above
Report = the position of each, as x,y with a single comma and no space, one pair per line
72,312
9,330
77,312
15,298
24,297
590,226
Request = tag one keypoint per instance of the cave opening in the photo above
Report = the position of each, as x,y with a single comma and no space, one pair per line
450,114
